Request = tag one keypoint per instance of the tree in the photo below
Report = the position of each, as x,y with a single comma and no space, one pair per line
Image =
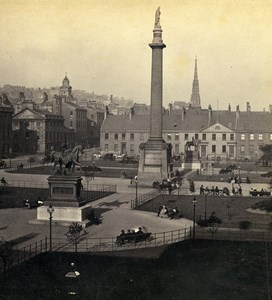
267,154
75,235
31,160
213,223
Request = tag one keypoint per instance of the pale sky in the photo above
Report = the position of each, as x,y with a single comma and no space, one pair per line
103,47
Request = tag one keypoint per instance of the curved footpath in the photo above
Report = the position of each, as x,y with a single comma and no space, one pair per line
117,215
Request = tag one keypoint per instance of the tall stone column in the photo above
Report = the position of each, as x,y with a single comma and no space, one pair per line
155,154
157,46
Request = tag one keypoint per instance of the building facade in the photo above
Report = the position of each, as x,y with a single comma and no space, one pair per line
6,111
221,134
49,127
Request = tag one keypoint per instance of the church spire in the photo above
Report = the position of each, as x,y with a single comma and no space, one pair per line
195,97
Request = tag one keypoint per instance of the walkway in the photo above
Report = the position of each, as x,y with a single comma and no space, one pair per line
117,214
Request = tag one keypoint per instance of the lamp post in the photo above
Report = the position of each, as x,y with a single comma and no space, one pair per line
136,191
206,206
194,203
50,210
10,152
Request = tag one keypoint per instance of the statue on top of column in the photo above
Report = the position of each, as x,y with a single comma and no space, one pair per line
157,17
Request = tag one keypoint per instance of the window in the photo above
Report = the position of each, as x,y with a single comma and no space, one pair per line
232,136
123,136
251,149
176,148
270,136
106,147
169,137
116,136
71,112
251,136
224,137
141,136
204,136
115,147
186,136
176,137
214,136
243,136
242,150
213,148
260,137
106,136
224,149
71,123
132,136
196,136
131,149
217,127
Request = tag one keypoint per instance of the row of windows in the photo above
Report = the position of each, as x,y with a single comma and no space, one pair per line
203,136
131,135
224,149
252,136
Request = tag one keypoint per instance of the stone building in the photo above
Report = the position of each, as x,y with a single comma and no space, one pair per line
222,134
49,127
6,111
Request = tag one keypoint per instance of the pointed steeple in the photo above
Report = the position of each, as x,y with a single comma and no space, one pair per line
195,97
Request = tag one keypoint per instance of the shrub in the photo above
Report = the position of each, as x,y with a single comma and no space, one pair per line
245,225
263,205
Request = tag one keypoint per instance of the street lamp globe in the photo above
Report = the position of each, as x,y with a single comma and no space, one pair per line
50,209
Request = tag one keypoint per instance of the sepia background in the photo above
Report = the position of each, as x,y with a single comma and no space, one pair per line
103,47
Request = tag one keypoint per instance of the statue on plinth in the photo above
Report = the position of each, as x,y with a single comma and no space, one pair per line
195,143
66,158
157,18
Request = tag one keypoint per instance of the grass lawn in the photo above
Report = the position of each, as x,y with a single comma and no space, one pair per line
187,270
230,209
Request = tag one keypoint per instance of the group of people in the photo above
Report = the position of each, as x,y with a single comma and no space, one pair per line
164,212
130,235
211,191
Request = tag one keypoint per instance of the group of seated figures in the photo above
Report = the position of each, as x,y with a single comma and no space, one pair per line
132,236
172,213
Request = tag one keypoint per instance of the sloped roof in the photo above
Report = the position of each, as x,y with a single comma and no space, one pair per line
193,121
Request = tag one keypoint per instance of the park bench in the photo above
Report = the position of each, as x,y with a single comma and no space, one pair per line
260,193
132,238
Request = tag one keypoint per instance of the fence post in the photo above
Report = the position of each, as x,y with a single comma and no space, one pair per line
190,232
45,244
24,253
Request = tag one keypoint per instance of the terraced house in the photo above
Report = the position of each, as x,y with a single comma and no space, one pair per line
222,133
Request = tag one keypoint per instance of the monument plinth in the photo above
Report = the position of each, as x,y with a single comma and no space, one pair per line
155,154
65,191
191,160
65,197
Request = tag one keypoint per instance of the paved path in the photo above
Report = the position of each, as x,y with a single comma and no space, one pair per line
117,215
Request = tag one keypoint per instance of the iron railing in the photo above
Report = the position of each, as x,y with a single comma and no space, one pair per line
140,200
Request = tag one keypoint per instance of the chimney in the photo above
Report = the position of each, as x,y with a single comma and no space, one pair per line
209,115
106,112
237,116
170,108
229,108
183,111
131,113
248,108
